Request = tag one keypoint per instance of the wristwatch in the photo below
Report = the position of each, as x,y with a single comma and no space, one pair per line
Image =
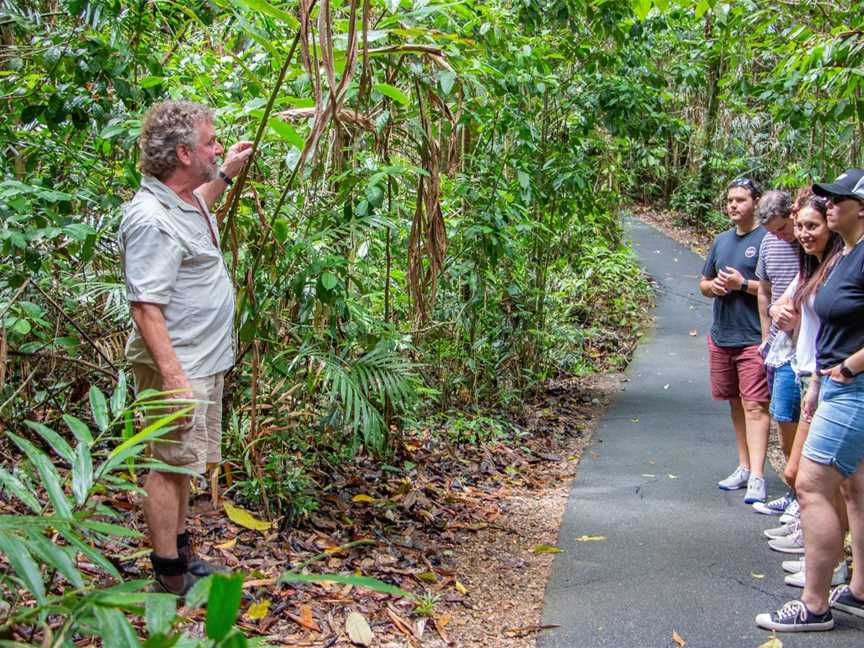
743,287
228,181
846,371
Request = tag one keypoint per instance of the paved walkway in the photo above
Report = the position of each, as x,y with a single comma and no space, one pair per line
679,555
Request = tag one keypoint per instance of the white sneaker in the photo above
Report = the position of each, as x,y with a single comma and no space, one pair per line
840,576
793,566
756,491
783,530
792,512
735,481
791,544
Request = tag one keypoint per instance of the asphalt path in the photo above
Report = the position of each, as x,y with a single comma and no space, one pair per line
679,555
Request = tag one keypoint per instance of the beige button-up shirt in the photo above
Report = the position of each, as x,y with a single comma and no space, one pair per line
169,258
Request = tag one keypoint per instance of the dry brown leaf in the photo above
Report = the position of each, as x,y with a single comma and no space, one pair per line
401,624
227,545
440,622
358,629
304,620
678,639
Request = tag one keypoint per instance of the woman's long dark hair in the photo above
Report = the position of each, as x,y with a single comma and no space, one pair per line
812,272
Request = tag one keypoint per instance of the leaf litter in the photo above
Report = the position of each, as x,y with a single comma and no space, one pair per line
457,531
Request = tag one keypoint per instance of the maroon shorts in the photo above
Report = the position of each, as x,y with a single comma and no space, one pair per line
737,372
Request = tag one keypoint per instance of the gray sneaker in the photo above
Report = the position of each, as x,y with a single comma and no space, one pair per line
735,481
755,490
792,512
783,530
791,544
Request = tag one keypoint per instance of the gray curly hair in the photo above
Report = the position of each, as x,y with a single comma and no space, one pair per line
167,125
772,204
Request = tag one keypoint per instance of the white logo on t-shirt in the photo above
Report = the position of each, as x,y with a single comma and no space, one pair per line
750,252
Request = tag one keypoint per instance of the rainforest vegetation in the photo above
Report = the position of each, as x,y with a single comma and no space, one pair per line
429,229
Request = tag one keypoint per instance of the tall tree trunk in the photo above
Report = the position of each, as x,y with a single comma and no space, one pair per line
713,70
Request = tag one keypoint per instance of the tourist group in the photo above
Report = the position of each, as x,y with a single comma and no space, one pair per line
787,342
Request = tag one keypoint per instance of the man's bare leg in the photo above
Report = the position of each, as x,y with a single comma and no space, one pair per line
758,422
787,437
161,511
739,423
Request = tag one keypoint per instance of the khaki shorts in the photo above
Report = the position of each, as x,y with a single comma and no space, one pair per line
195,444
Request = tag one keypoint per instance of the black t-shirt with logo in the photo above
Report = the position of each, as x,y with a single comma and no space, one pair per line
839,304
736,314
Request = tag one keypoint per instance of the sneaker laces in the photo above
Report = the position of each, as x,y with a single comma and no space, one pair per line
793,509
836,593
791,612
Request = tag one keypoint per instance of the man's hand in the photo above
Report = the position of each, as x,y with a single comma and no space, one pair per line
719,286
179,385
734,279
836,375
785,317
236,157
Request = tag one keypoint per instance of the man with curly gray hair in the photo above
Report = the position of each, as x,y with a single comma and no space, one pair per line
182,303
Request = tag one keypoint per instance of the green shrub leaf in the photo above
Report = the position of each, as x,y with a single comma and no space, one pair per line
82,473
99,408
223,604
50,478
53,439
11,483
23,565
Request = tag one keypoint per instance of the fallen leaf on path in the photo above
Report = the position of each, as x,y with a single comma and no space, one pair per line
648,475
755,575
773,642
694,333
678,639
461,588
244,518
524,630
635,419
358,629
545,548
304,619
401,624
672,476
227,545
590,538
367,499
665,386
440,622
257,611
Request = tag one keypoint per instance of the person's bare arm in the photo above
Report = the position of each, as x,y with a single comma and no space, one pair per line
763,298
235,158
151,324
711,288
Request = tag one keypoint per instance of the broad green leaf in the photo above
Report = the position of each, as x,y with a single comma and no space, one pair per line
54,440
268,10
234,640
79,429
160,610
328,280
152,429
56,556
82,473
106,528
99,408
393,92
286,132
359,581
114,629
222,605
23,565
245,519
50,478
642,8
90,552
11,483
118,398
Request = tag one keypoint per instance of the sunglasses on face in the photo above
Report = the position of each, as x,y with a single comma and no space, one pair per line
836,200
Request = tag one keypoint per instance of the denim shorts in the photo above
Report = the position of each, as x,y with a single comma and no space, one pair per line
785,395
836,435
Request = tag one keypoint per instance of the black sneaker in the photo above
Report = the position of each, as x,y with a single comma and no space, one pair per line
843,599
795,617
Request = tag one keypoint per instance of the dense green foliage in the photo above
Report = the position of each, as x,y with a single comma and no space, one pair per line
429,226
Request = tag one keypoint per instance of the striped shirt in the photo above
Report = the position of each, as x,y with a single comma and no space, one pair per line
778,263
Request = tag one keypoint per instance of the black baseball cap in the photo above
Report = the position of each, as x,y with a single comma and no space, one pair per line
849,184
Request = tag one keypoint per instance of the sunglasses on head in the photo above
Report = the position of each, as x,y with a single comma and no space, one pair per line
743,182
